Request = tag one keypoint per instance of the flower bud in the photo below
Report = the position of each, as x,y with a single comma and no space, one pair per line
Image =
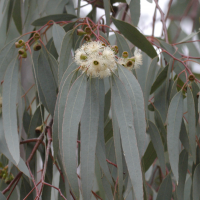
37,46
191,77
80,32
17,45
21,51
88,30
21,43
39,129
24,55
125,54
4,176
87,38
36,36
115,49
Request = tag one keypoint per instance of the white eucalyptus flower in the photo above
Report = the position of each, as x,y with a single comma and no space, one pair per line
138,59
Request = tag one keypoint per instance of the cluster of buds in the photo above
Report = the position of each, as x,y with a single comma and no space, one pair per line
37,46
5,175
132,62
22,51
87,32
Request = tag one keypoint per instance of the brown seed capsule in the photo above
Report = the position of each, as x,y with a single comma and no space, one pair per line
37,46
36,36
87,38
80,32
88,30
191,77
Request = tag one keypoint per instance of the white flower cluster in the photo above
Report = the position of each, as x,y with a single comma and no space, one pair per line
129,63
96,59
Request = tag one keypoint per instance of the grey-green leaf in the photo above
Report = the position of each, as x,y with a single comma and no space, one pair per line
134,36
122,44
89,130
165,189
157,143
196,183
65,53
59,17
191,123
183,166
59,110
10,86
122,108
58,34
137,101
72,115
135,11
46,81
2,197
174,118
118,152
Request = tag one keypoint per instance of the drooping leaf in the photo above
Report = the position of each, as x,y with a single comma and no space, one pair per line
6,56
135,11
89,130
59,17
189,36
25,189
159,79
107,104
149,81
106,4
46,81
72,115
59,110
65,53
149,157
191,123
101,157
17,15
157,143
2,197
184,138
134,36
58,34
122,105
118,152
183,166
4,150
10,86
174,118
165,189
137,101
122,44
196,183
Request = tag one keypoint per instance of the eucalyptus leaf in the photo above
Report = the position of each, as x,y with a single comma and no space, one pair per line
59,17
72,115
174,118
122,105
10,86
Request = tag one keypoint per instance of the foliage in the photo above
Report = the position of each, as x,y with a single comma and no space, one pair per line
94,112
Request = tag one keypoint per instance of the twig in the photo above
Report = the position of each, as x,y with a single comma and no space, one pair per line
163,21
